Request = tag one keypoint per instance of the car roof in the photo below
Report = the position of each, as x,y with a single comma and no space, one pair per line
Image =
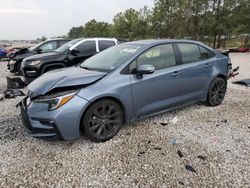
159,41
81,40
56,39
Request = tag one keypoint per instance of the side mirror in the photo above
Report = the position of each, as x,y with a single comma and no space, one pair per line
74,52
39,50
146,69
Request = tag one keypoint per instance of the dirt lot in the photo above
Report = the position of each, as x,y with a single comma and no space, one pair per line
214,141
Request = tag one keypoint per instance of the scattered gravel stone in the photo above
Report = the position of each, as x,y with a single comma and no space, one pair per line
180,154
201,157
164,124
190,168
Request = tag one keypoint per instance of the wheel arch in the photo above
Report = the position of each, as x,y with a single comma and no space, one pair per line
45,67
115,99
221,76
216,76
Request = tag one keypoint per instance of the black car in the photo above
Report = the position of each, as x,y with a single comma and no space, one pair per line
46,46
72,53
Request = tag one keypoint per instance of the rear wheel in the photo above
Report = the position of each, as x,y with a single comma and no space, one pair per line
102,120
217,92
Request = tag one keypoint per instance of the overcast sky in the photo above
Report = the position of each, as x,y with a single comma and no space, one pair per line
30,19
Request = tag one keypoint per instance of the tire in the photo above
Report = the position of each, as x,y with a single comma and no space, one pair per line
18,70
217,91
102,121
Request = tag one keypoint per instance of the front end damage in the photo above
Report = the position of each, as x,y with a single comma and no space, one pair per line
53,110
38,128
58,124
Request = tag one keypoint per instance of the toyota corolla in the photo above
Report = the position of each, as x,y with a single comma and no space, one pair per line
121,84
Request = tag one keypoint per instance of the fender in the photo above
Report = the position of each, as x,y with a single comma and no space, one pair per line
52,65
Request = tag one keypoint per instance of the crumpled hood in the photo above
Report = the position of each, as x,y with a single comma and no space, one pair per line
24,55
42,56
60,78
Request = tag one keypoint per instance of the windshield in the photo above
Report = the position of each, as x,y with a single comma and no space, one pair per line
66,46
36,46
111,58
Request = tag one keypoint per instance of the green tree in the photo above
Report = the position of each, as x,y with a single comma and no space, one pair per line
76,32
131,24
97,29
166,18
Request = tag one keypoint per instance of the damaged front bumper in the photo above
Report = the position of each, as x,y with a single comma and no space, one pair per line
38,128
11,66
60,124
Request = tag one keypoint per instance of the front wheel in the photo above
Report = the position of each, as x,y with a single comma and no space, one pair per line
217,91
18,70
102,120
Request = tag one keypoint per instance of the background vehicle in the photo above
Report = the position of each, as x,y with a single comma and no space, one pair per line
16,58
3,53
69,54
12,52
126,82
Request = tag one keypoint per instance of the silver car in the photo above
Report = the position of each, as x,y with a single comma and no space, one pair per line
127,82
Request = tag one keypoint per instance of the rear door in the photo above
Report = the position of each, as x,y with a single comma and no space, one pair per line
160,90
61,42
104,44
86,49
196,71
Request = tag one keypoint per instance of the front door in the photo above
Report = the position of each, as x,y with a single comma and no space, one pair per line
86,50
160,90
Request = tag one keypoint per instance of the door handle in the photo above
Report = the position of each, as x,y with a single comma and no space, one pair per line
208,65
176,74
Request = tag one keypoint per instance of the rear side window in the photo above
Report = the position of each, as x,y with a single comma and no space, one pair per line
191,53
205,53
88,47
104,44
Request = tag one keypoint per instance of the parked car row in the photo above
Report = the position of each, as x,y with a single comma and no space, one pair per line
126,82
56,53
16,58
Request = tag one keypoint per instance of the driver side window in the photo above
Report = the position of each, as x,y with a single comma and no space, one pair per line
160,57
48,46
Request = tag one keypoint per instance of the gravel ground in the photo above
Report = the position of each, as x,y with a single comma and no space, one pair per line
211,142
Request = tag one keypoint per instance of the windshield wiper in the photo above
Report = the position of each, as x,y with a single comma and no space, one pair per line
87,68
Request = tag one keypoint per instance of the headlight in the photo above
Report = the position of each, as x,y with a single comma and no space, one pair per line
12,62
56,102
33,63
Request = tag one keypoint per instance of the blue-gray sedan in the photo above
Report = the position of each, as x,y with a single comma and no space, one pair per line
127,82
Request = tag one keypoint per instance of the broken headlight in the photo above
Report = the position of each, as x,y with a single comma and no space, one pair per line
56,102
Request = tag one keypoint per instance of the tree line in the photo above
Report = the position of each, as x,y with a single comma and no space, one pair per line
211,21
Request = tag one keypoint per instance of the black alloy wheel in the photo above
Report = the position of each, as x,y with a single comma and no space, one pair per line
217,92
102,120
